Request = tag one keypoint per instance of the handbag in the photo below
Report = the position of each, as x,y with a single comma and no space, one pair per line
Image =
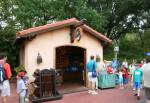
94,71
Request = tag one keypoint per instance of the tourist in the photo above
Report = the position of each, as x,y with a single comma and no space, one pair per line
125,63
91,66
125,75
120,75
146,78
137,78
21,88
131,68
98,69
5,86
26,81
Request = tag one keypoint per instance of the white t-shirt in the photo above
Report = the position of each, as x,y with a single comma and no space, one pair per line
131,68
120,75
125,64
21,86
146,74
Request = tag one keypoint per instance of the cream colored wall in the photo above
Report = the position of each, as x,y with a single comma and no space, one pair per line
45,44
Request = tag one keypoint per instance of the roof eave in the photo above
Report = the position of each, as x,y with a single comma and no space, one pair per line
46,30
96,34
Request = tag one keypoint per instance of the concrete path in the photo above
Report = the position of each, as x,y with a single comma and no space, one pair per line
114,95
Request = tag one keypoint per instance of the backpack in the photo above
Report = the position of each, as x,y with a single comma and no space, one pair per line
2,74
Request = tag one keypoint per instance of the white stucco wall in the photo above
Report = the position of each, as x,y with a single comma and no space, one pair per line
46,43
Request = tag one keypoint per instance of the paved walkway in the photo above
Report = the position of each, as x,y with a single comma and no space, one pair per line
114,95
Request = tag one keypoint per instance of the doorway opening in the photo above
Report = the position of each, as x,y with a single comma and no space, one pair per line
71,69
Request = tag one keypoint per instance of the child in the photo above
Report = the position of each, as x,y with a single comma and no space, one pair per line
26,81
21,88
137,78
120,74
125,76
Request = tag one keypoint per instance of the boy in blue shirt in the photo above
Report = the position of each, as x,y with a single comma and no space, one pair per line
137,78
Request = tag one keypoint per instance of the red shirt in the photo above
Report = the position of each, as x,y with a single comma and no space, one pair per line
125,73
7,70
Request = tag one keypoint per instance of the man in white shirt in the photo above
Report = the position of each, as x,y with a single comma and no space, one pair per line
146,78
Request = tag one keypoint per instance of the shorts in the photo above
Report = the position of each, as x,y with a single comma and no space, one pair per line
90,78
120,80
125,81
137,85
21,99
147,93
5,88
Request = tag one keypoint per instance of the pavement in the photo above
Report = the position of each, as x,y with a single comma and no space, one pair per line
112,95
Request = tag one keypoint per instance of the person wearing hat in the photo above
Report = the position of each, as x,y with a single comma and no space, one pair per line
21,87
146,78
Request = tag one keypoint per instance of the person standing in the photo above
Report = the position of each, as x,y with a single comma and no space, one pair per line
146,78
125,63
120,75
91,66
5,87
137,78
21,88
131,68
98,69
125,75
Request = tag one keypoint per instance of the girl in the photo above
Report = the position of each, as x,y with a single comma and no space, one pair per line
120,74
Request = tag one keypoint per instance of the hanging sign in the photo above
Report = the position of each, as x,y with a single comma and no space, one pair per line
76,35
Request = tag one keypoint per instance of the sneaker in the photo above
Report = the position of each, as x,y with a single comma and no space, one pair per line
134,89
89,91
26,100
94,92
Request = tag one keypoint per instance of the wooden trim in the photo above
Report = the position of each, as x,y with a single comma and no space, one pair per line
85,70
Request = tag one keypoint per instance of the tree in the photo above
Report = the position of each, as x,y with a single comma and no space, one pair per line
122,16
129,47
146,40
114,18
7,37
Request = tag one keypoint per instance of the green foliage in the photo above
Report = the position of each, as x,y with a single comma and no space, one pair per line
129,47
108,53
7,37
122,16
146,40
114,18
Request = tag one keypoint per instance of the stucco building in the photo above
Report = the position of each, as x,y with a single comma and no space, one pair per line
64,45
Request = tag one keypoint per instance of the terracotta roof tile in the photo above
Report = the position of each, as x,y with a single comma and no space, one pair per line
35,29
60,24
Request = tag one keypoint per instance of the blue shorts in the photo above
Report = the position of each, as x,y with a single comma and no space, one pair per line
125,81
120,80
137,85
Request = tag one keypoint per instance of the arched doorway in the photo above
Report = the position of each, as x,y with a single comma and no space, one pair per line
71,67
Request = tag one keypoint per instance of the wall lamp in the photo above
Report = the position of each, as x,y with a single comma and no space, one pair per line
39,58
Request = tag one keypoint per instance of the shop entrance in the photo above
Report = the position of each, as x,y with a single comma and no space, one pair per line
71,68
